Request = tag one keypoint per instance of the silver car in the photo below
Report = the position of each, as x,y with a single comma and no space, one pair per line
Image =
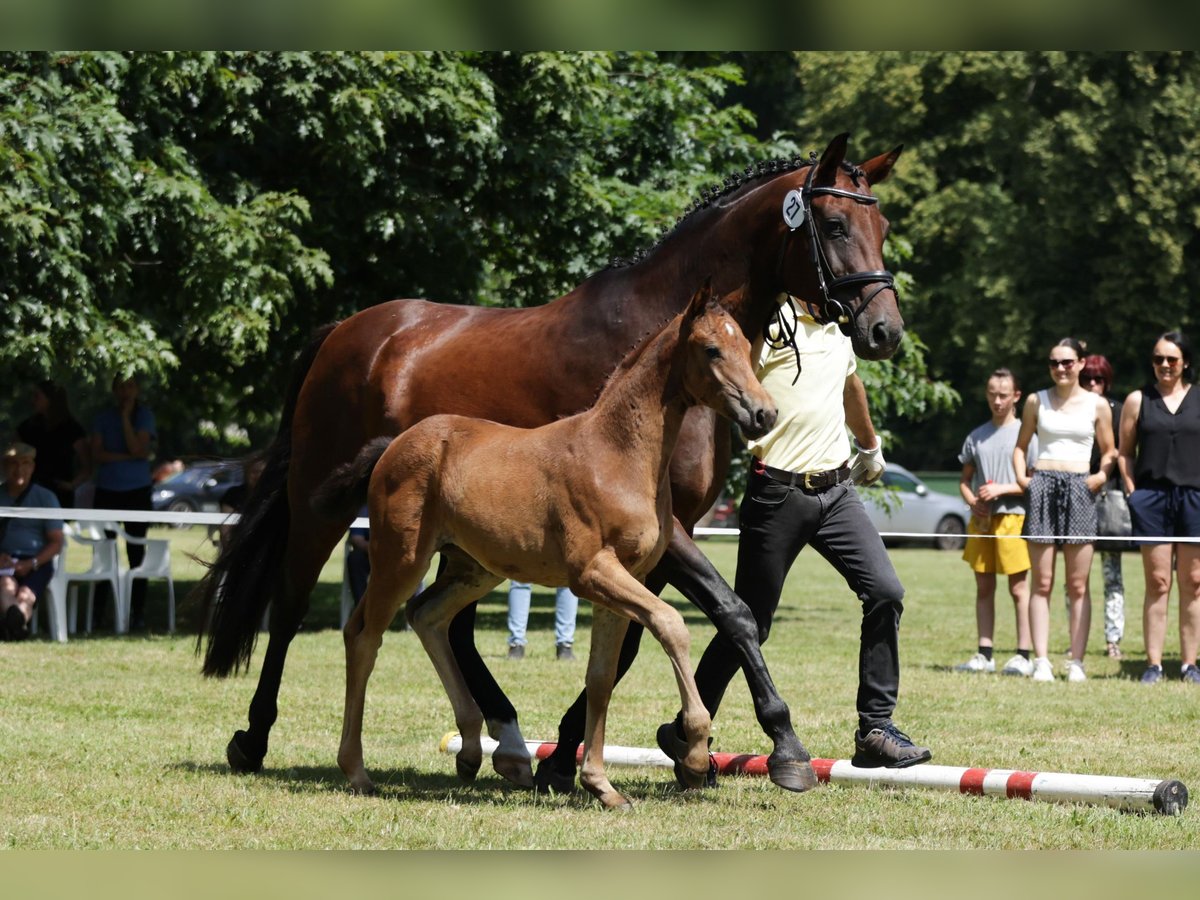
912,508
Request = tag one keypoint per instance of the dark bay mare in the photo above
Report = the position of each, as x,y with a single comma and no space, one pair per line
583,501
809,228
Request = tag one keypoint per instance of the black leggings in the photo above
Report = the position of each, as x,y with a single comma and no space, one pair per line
138,498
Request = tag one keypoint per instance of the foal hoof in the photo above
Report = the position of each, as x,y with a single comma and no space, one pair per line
792,775
676,748
550,780
241,762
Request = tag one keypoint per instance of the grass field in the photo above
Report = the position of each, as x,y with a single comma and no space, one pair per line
119,743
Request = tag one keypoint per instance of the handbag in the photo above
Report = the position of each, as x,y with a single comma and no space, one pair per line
1112,517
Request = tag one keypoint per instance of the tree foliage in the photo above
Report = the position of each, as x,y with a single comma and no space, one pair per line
193,216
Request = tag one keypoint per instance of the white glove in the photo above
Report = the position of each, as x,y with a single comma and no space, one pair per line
867,465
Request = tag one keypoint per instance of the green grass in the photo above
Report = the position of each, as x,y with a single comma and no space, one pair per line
119,743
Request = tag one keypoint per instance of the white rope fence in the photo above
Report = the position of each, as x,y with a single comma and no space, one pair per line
220,518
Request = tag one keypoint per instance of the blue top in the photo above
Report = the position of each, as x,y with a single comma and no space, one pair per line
26,537
124,474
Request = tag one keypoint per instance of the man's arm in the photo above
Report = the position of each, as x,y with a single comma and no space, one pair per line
867,464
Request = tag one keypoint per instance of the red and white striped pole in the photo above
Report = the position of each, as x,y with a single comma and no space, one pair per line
1167,797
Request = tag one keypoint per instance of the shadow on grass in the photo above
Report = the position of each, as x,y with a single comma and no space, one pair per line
407,783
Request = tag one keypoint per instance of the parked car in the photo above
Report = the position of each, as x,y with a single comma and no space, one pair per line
914,508
198,488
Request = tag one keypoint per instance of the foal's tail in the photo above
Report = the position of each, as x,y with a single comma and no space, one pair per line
345,491
249,571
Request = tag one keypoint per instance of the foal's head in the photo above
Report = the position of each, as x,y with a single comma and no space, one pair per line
716,366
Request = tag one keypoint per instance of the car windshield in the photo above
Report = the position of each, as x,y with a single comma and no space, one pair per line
900,482
198,475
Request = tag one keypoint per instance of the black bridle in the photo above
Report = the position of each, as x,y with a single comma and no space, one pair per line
830,309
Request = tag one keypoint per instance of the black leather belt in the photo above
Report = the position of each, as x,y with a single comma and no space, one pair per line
809,481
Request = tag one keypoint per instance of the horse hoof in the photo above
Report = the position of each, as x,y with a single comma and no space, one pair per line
239,761
676,748
515,769
549,780
467,769
620,805
792,775
364,790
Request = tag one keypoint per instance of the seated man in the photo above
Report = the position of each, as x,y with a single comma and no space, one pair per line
27,546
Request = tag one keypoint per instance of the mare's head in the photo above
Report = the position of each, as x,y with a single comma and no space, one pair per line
716,367
832,251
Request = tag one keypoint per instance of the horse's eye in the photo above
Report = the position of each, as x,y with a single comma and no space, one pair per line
713,352
835,229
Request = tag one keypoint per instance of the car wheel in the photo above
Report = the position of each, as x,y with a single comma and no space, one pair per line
179,506
950,531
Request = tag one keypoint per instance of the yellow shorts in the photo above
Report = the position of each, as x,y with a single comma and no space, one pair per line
1002,556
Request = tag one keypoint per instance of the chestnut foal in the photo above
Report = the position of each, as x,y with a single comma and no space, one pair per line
584,501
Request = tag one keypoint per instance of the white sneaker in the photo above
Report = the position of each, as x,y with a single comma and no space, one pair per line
977,663
1018,665
1043,669
1075,671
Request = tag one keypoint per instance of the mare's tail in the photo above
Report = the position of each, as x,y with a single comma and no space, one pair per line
249,571
345,491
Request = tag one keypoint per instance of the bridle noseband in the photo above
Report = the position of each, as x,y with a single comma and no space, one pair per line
831,309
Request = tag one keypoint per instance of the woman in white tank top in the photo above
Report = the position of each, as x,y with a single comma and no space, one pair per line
1062,509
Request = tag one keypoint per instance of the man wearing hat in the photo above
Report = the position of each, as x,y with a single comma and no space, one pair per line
27,546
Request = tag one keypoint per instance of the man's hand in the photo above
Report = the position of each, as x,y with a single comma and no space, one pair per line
867,465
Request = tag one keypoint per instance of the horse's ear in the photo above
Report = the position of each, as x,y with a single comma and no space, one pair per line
827,168
701,300
879,168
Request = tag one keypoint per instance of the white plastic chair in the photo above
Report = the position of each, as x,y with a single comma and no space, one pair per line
155,564
55,605
63,586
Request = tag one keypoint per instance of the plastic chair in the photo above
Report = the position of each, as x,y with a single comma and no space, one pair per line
155,564
61,606
55,608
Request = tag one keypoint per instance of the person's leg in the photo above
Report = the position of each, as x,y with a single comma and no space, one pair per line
518,613
985,608
1114,601
1156,561
1077,560
8,600
1041,578
358,568
566,606
1018,589
1188,567
137,499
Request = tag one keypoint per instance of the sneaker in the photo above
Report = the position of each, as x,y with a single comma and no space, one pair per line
516,651
1075,671
1043,669
887,747
14,624
977,663
1190,674
1152,675
563,651
1019,666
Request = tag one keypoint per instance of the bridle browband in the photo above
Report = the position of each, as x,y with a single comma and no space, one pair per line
830,308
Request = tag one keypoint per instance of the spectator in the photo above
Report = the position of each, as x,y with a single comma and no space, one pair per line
63,460
1160,467
566,604
989,487
1097,377
1062,507
800,491
27,546
123,438
358,559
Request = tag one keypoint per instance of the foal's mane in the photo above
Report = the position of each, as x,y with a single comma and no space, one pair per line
734,182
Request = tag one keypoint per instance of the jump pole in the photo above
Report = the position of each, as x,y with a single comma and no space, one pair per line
1148,795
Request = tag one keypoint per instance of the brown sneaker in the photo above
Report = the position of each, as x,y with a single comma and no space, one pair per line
887,747
563,651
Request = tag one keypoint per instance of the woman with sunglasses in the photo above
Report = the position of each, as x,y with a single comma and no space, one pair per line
1062,508
1096,375
1160,465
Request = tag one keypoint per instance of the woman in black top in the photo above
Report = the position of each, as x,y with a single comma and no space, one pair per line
63,462
1160,465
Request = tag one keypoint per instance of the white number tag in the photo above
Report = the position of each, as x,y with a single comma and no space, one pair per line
793,210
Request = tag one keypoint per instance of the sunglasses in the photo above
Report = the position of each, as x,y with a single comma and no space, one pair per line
1062,363
1164,360
1090,379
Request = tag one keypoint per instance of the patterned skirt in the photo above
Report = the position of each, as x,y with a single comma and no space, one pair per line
1061,509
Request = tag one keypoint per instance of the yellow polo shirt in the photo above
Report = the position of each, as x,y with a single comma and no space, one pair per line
810,433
